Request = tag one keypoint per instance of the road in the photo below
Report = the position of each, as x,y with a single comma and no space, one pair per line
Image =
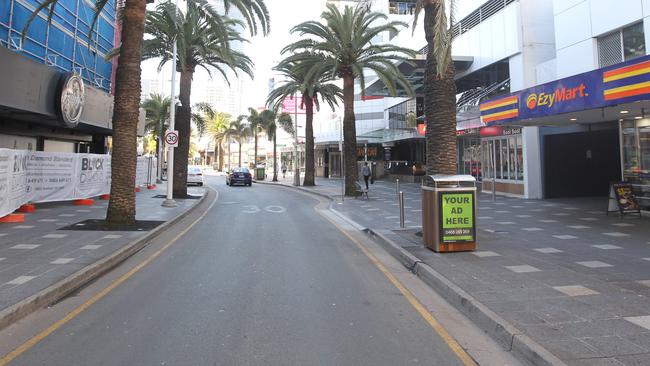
262,279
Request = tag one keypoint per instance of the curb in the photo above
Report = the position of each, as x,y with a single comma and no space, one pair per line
59,290
513,340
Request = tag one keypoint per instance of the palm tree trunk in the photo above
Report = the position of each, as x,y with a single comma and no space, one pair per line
239,154
121,207
310,165
220,156
229,157
439,107
275,159
349,136
183,118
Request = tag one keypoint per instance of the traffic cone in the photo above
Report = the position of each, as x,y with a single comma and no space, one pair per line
27,208
12,218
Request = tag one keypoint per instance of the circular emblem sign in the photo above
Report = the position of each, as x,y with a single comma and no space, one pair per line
531,101
71,99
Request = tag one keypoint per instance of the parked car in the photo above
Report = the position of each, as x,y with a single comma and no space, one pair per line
194,175
239,176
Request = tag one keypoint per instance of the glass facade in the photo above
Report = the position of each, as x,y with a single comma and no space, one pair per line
635,136
404,7
469,155
502,158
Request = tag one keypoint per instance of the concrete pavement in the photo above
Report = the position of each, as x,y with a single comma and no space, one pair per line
571,278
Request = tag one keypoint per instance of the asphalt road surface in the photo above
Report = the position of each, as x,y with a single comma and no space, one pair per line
263,279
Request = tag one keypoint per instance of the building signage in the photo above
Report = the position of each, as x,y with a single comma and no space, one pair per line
622,83
293,105
70,99
457,221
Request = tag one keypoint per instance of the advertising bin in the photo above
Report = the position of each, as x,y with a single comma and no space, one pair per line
259,173
449,213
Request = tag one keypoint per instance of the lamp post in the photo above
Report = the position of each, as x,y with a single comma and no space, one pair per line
169,201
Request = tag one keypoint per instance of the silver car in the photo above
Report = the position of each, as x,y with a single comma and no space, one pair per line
194,175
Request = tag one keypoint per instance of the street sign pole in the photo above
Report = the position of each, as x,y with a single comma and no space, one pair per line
169,201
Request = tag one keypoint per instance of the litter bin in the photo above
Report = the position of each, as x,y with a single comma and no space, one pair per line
449,213
259,173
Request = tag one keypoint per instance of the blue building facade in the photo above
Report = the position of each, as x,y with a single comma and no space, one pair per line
64,43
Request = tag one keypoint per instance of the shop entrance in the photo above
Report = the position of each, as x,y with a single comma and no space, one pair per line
581,164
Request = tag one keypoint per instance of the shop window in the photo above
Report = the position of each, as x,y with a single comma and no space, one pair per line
520,159
623,45
502,157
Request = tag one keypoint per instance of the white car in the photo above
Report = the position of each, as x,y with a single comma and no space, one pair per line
194,175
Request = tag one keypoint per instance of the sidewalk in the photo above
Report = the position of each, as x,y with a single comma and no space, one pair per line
41,252
574,280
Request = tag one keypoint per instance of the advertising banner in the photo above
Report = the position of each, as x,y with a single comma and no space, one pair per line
50,177
291,105
6,169
93,175
457,222
621,83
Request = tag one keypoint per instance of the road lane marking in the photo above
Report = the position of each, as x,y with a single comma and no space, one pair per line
81,308
465,358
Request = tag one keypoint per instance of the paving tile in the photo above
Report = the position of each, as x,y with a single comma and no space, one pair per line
548,221
62,261
523,216
623,224
570,208
506,223
616,234
25,246
1,259
54,236
502,211
579,227
613,345
485,218
532,229
575,290
90,247
48,220
67,215
643,321
561,214
23,227
588,219
606,247
486,253
565,237
594,264
20,280
522,268
548,250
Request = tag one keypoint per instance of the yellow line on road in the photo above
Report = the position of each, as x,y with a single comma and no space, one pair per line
74,313
430,319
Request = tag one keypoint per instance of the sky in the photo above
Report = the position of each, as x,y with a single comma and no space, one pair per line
265,50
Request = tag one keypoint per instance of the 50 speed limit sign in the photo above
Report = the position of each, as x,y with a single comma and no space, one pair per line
171,138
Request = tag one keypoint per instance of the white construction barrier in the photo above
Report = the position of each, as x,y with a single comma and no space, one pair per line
36,176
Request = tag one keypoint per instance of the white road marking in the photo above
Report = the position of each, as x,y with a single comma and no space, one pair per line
607,247
522,268
594,264
616,234
575,290
486,253
532,229
90,247
565,237
25,246
548,250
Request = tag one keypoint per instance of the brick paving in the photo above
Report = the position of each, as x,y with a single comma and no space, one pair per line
572,278
38,253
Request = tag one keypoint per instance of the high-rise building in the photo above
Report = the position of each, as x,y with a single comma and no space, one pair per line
60,56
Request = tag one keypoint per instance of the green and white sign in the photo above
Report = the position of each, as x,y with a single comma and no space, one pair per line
457,222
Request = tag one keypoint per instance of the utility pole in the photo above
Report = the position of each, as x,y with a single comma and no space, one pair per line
296,174
169,202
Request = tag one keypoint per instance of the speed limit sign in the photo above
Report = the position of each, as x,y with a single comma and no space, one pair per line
171,138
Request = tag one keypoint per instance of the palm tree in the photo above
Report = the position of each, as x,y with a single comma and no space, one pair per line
256,126
272,122
156,109
216,128
203,38
439,88
310,86
121,207
240,132
344,43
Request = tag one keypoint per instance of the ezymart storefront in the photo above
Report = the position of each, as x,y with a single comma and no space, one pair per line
591,129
